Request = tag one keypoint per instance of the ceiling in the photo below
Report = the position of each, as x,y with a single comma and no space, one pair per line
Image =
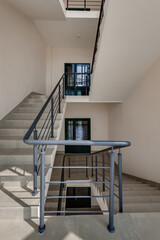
41,9
129,44
58,27
72,32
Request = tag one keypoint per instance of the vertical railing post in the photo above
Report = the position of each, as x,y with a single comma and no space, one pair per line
120,182
52,118
84,4
67,4
92,166
96,168
35,192
103,172
42,192
59,98
69,167
86,85
86,167
111,199
63,86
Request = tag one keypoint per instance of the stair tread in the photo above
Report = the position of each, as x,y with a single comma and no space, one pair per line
21,151
140,207
17,197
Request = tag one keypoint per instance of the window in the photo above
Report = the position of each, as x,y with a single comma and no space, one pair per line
77,78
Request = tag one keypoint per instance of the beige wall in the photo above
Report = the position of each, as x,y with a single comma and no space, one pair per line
56,57
98,114
138,120
22,58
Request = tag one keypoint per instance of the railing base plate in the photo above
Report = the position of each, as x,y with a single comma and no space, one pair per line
42,229
111,230
34,193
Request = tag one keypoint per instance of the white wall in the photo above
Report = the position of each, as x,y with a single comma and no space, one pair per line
97,112
138,120
129,44
22,58
56,57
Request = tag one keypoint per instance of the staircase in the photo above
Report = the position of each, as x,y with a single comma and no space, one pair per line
138,197
16,158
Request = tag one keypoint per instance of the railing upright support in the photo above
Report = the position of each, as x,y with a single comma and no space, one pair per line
111,199
59,98
52,118
84,4
63,86
35,192
103,172
69,163
120,182
86,166
42,192
67,4
92,166
96,168
86,85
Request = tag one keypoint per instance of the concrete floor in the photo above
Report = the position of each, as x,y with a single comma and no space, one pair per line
135,226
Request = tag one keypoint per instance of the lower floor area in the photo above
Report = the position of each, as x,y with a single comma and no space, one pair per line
129,226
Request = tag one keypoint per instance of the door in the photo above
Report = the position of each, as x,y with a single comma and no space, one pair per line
77,78
77,129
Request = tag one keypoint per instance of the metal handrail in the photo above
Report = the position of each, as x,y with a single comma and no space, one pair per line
34,124
101,14
112,145
98,33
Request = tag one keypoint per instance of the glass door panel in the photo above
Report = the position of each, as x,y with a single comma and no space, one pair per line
77,79
81,128
77,129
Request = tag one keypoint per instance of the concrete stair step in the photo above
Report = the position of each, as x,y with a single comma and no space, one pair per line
29,110
84,209
18,176
36,100
18,203
25,116
36,96
139,207
19,132
15,142
51,205
137,188
55,193
35,106
26,123
137,193
139,199
29,116
21,156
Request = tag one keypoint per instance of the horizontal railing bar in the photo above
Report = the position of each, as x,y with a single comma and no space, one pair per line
66,182
109,189
50,197
76,167
108,180
75,211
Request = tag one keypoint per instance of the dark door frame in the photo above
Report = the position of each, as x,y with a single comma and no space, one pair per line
76,90
79,148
